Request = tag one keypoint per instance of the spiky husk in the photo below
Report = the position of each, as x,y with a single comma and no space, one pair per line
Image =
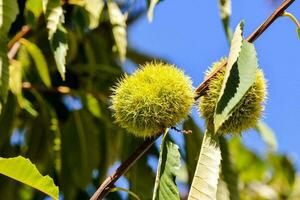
245,115
156,96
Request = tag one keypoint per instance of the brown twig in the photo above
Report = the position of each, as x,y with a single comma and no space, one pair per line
14,45
126,165
200,90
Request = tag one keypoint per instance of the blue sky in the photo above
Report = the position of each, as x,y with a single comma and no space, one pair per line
189,33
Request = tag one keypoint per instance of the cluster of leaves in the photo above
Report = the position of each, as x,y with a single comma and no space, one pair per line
54,110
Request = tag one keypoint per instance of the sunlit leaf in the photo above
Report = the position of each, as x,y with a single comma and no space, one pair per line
168,165
59,45
8,12
57,34
35,7
267,135
298,31
205,181
21,169
239,77
39,60
93,105
118,22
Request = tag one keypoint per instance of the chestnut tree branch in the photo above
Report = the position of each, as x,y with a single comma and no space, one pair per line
200,91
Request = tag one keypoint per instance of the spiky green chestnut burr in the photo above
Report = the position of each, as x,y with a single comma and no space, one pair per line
245,115
156,96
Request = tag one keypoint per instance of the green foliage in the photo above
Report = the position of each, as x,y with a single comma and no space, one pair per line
205,181
298,31
240,118
239,77
57,33
39,60
8,13
23,170
156,96
66,127
168,165
94,9
118,22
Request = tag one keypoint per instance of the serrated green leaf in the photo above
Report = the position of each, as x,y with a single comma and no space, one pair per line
150,12
118,22
57,34
54,15
239,77
59,45
21,169
8,13
229,174
267,135
39,60
168,165
205,181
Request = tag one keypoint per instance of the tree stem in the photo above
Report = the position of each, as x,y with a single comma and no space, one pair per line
292,17
200,90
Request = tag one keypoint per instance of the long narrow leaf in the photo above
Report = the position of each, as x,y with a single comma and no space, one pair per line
118,21
39,60
205,182
239,77
168,165
57,34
